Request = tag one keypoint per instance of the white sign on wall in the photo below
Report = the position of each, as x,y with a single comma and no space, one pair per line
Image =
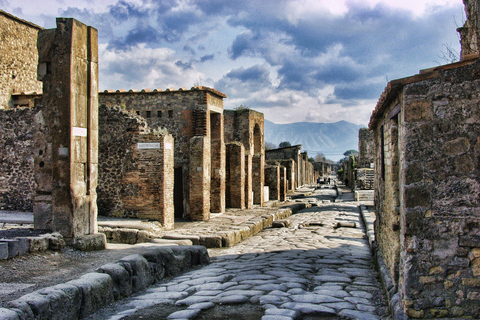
148,145
79,132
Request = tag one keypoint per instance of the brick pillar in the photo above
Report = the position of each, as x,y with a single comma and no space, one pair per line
235,184
258,178
217,187
248,182
272,180
283,183
66,148
199,172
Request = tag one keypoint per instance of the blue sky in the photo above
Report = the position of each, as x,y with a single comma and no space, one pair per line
293,60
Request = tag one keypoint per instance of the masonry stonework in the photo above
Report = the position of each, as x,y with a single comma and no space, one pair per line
136,168
17,183
235,179
427,194
18,66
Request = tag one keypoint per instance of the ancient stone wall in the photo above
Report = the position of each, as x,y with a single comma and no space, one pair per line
18,65
428,192
272,180
17,182
136,168
292,153
187,115
366,150
470,32
247,126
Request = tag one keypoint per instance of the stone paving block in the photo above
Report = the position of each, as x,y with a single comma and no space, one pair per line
184,314
138,268
122,280
7,314
358,315
292,314
194,300
3,250
309,308
211,241
231,299
97,291
202,305
314,298
228,238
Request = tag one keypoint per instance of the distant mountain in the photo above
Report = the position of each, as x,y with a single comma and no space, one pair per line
331,139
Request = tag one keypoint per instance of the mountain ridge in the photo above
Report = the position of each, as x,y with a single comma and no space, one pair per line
331,139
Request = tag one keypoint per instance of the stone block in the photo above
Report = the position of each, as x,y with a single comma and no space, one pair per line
3,250
174,261
97,292
211,241
91,242
55,241
16,247
7,314
139,269
38,244
122,280
283,223
228,238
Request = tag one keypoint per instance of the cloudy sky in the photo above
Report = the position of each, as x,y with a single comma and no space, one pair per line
293,60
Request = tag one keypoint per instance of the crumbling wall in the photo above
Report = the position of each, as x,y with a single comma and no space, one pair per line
17,183
366,153
18,65
136,168
235,177
272,180
469,33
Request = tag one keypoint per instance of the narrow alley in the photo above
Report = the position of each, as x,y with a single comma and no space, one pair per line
318,266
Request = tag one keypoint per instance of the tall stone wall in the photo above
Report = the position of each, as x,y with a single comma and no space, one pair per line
17,183
428,191
18,65
272,180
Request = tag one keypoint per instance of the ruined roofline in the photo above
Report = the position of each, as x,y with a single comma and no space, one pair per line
394,86
246,110
298,146
196,88
28,23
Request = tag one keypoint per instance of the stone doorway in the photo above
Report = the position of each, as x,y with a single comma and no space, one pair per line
178,193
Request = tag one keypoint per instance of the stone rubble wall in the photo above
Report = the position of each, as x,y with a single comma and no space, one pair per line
18,66
366,152
133,182
17,184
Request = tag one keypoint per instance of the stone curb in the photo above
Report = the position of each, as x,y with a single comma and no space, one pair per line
11,248
238,233
387,283
79,298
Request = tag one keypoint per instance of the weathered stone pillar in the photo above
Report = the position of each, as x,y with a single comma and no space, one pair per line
272,180
258,178
217,187
199,172
248,182
283,183
235,185
66,157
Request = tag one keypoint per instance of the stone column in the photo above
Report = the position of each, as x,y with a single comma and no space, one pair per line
66,154
199,172
235,185
258,178
217,187
283,183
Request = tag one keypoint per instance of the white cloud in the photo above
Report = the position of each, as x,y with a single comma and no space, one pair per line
141,67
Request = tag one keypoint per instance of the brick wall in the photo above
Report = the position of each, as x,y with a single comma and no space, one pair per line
235,178
134,182
18,66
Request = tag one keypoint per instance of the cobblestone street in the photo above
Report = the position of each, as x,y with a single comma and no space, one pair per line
313,269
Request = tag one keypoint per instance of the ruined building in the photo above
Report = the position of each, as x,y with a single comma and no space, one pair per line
427,169
161,153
